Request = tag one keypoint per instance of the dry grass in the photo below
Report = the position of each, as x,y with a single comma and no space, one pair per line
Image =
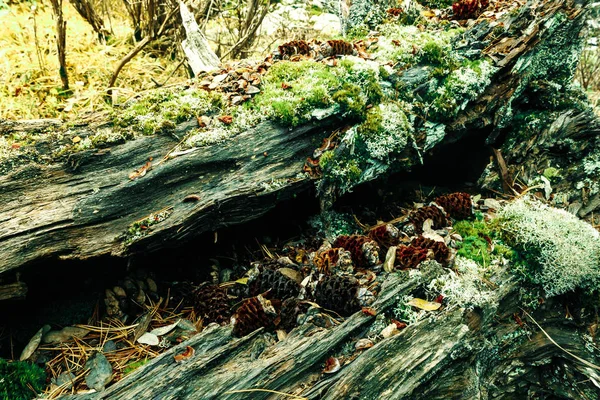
71,356
30,85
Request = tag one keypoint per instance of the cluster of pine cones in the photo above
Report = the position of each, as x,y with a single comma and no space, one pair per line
127,299
339,277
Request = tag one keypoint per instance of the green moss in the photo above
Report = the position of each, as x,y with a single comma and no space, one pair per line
481,242
163,109
129,368
551,173
351,101
461,86
20,380
439,3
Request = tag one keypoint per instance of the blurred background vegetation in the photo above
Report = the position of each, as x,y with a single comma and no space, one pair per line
99,34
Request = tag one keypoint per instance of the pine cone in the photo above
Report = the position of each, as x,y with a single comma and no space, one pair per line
457,205
279,286
365,251
333,260
465,9
290,310
385,235
420,215
294,47
410,257
339,294
439,249
254,313
212,304
336,48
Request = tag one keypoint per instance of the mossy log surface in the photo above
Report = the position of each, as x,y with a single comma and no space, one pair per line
453,354
86,207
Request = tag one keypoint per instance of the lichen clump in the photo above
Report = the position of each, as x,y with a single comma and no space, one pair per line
562,253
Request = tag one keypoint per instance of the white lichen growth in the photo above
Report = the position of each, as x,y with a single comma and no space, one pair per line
463,286
562,252
393,134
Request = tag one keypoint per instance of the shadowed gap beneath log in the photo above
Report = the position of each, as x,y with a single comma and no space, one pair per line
62,293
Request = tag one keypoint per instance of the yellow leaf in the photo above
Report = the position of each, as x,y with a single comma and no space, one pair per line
424,304
428,14
76,139
242,281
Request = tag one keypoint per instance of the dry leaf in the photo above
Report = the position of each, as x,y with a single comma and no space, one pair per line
149,338
186,355
363,344
76,139
424,304
389,331
242,281
369,311
399,325
285,86
428,14
32,345
332,365
141,172
163,330
281,334
390,259
226,119
292,274
191,198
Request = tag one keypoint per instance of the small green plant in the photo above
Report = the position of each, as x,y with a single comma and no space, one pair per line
129,368
20,380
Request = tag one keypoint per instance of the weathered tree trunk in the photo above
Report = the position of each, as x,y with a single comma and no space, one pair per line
83,208
453,354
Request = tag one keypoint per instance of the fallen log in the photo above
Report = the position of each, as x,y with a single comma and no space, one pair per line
99,200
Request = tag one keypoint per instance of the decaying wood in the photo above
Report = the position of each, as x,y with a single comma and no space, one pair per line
84,208
200,56
17,290
454,354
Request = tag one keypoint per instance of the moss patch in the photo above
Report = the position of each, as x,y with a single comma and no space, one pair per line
17,379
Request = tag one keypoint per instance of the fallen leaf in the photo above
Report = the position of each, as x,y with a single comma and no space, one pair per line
292,274
369,311
251,89
439,299
149,339
163,330
389,331
138,173
332,365
281,334
428,14
15,146
187,354
424,304
285,86
399,325
226,119
32,345
390,259
76,139
363,344
191,198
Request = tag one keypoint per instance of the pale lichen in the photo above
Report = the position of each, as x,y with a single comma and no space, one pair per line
562,253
